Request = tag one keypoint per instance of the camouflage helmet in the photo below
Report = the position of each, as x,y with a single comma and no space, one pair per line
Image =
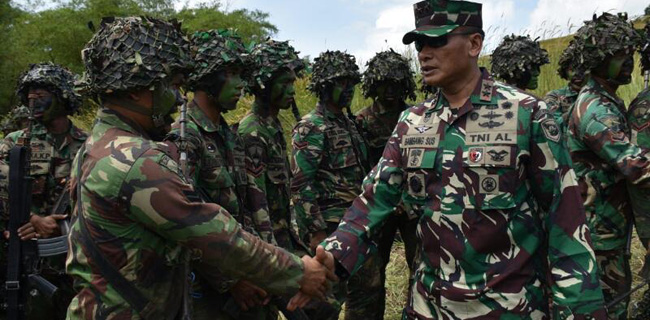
213,51
19,113
331,65
134,53
268,58
603,37
567,61
388,66
55,78
516,55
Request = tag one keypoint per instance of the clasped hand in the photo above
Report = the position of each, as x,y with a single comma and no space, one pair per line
318,273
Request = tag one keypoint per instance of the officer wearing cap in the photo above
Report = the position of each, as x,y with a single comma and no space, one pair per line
501,225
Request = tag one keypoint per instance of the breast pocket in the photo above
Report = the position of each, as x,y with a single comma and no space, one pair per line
214,173
277,171
490,176
341,153
420,163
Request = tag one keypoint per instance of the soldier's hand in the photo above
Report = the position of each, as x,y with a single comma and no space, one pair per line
316,238
248,295
27,232
46,226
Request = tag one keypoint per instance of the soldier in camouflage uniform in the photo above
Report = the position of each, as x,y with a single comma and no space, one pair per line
17,119
329,159
559,101
54,143
139,220
216,158
604,157
501,226
388,80
517,61
275,65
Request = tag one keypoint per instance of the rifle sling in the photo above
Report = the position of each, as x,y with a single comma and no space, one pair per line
124,288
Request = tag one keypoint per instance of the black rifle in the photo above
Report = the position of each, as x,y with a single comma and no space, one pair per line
23,257
295,111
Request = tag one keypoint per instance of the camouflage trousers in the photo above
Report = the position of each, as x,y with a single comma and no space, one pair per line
366,298
615,279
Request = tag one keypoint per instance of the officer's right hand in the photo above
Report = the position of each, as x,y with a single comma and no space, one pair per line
46,226
325,260
248,295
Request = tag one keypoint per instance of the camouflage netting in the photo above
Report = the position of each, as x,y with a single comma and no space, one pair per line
388,66
516,55
20,113
567,61
602,37
331,65
133,53
55,78
269,57
213,51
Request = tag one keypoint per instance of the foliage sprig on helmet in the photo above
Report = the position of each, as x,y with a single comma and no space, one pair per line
214,51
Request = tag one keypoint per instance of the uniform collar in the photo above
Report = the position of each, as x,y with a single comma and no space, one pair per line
115,119
327,113
378,109
594,86
484,94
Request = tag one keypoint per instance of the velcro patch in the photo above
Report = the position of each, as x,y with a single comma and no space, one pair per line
489,184
420,141
551,130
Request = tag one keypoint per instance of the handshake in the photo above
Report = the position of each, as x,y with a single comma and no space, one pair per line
317,275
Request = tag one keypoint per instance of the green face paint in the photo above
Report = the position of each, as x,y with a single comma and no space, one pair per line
343,92
282,89
56,110
231,88
620,69
533,83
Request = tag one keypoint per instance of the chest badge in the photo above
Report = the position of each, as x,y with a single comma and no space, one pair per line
497,156
476,155
211,147
423,129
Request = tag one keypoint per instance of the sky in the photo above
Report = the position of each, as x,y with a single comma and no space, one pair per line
364,27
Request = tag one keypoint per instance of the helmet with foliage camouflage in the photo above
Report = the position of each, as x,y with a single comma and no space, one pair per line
388,66
134,53
268,58
602,37
213,51
567,61
645,48
54,78
516,55
331,65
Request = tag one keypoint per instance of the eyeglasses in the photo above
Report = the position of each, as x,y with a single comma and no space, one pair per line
437,42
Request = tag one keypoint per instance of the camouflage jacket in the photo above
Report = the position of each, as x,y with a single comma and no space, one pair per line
328,165
145,216
559,102
50,166
377,125
604,158
500,215
216,163
266,162
638,117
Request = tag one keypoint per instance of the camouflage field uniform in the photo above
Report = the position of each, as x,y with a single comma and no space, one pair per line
146,209
51,161
216,165
638,117
15,119
559,101
498,207
146,217
604,158
266,156
377,123
328,165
